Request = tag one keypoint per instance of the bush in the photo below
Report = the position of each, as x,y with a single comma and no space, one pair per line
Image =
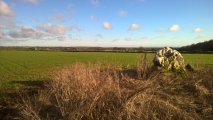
88,92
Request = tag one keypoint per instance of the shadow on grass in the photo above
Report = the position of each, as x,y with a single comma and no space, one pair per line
29,83
10,96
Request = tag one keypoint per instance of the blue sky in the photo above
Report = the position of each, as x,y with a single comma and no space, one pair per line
105,23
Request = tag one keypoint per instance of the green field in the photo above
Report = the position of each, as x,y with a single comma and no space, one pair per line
26,91
18,66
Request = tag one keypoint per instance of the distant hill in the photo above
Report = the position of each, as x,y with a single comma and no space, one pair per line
206,46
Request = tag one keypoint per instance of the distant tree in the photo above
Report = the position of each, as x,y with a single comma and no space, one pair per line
199,47
141,49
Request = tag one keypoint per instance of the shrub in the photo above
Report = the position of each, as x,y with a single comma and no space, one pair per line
89,92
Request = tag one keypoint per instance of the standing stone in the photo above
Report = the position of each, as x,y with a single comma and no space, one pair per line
169,58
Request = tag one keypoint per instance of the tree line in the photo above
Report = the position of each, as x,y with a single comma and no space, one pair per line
202,47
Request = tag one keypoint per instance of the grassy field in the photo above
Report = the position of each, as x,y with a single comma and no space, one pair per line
29,66
18,66
78,90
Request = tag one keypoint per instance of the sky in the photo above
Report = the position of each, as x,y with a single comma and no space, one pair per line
105,23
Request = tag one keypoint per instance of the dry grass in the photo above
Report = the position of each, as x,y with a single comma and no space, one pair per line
88,92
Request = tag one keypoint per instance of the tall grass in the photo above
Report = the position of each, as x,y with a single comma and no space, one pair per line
88,92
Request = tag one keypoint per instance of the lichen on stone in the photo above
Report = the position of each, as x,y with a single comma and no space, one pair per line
169,59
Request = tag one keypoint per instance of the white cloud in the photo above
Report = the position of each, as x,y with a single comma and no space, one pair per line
15,34
24,32
10,32
53,29
107,25
134,27
7,23
1,34
41,32
5,10
27,29
30,1
122,13
174,28
197,30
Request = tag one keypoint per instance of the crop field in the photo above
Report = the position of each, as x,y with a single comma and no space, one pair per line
29,66
16,66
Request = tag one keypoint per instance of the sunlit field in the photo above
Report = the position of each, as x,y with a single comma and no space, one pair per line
102,85
35,65
93,60
22,65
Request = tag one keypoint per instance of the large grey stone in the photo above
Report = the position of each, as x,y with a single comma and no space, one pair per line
167,57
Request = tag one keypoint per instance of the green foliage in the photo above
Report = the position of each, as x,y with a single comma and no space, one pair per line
180,71
173,66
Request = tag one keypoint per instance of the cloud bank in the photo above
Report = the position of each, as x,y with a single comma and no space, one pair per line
53,29
5,10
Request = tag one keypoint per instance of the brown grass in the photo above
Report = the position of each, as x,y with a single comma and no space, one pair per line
88,92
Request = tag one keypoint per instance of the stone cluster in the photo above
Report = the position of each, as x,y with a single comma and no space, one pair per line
169,58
